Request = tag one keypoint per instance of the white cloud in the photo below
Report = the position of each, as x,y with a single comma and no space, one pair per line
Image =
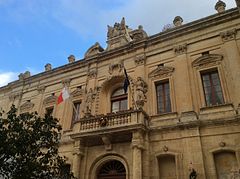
6,77
90,19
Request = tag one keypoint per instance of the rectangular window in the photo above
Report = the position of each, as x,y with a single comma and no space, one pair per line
163,97
212,88
76,111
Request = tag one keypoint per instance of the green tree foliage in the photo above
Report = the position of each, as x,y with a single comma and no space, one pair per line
29,147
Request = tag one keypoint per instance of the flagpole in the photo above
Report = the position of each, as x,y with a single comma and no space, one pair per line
70,98
127,84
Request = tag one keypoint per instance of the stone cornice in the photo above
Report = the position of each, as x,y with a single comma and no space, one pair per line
197,123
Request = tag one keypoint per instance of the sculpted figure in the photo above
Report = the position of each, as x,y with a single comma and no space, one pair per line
141,89
88,101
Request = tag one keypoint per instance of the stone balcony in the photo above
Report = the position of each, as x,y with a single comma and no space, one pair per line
117,126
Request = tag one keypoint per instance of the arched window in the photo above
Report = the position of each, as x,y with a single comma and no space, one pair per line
112,170
119,100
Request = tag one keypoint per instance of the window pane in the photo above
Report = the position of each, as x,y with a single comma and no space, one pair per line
118,92
119,100
163,97
76,111
115,106
123,105
212,88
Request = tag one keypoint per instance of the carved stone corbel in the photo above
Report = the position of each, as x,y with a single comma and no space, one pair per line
180,49
41,89
92,74
228,35
107,142
115,67
66,82
140,59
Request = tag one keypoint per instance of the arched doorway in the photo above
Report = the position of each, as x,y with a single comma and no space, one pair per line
112,169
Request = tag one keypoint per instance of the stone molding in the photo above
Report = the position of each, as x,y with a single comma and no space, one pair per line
115,67
77,93
161,72
180,49
92,74
140,59
228,35
50,100
14,96
41,89
66,82
94,50
138,34
27,106
207,60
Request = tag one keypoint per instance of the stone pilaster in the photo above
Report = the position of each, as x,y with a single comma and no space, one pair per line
77,157
232,62
137,147
181,83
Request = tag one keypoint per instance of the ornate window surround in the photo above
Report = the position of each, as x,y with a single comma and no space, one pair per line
26,107
204,63
224,148
178,159
158,75
49,102
76,96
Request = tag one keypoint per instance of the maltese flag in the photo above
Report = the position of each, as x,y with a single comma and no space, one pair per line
63,96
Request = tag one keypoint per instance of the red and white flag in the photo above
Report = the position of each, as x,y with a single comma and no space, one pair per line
63,96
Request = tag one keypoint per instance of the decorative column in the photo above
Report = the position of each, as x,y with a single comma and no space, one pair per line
232,62
137,147
182,84
77,156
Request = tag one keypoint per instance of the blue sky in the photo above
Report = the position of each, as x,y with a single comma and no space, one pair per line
36,32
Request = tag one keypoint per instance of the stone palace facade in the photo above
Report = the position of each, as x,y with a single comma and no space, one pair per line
181,111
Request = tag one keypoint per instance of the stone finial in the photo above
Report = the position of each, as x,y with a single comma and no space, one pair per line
27,74
220,6
24,75
48,67
71,59
177,21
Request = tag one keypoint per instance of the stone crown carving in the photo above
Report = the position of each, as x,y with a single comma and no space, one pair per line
207,60
161,71
28,105
94,50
